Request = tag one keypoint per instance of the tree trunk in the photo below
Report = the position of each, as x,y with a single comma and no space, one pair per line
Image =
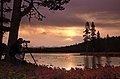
15,23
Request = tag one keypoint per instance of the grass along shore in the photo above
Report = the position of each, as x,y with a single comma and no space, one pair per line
31,71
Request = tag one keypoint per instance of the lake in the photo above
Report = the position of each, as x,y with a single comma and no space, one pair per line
69,60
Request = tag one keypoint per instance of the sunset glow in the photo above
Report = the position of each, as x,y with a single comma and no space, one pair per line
69,64
69,39
61,35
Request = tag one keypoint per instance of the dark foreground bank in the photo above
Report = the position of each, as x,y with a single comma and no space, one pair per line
31,71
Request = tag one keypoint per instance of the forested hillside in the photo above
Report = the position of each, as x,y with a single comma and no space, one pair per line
111,44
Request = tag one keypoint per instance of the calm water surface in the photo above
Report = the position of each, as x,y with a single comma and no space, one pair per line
69,60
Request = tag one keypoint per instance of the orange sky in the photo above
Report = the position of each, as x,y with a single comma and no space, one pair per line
59,36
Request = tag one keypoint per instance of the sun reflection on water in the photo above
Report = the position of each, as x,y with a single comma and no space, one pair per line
69,60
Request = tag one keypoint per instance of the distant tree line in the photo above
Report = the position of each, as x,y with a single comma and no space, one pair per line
108,44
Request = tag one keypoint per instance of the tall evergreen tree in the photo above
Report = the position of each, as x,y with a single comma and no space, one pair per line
93,35
86,32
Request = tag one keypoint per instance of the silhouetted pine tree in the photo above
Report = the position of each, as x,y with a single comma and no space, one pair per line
93,35
98,35
86,32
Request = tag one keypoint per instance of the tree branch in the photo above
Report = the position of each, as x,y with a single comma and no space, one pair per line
31,10
40,16
27,10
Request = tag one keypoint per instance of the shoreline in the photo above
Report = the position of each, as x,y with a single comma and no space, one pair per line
83,53
112,54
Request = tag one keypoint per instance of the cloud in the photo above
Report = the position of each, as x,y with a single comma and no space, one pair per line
108,20
77,12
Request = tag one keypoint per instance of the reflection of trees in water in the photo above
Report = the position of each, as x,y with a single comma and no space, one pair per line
95,61
86,61
99,61
92,62
108,60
